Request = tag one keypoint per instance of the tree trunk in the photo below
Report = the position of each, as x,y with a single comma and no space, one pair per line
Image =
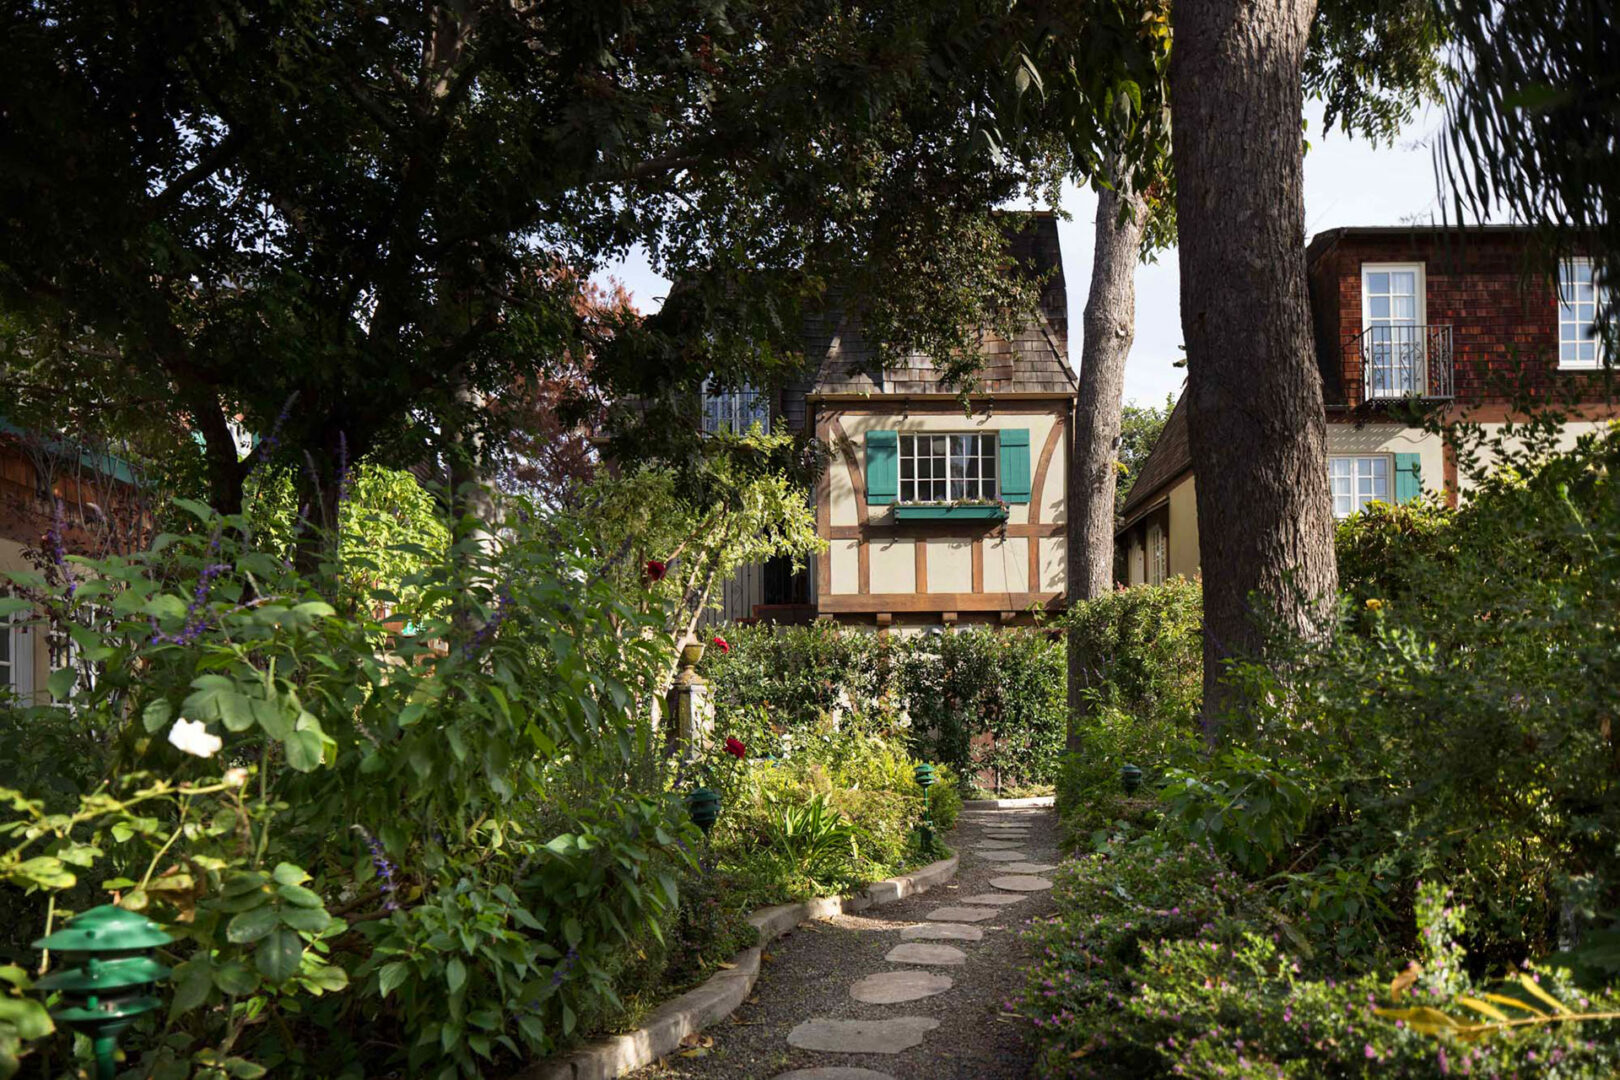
1110,327
1255,419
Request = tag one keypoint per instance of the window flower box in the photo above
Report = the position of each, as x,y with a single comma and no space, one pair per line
962,511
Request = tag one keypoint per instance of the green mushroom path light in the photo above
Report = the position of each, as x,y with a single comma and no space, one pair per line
1130,778
107,988
924,775
703,804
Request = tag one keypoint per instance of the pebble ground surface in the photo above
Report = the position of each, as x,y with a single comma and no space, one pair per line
802,1007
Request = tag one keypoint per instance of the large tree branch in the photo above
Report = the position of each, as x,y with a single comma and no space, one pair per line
216,158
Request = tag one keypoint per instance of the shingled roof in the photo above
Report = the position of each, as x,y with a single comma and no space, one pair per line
1170,457
1035,361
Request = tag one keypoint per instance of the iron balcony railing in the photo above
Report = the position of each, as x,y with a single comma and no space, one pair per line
1404,362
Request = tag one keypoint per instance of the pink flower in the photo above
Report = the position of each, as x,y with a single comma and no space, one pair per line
735,748
722,644
1370,1052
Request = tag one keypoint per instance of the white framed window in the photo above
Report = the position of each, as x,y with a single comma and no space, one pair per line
1158,555
1357,481
943,468
1393,314
16,657
734,411
1580,294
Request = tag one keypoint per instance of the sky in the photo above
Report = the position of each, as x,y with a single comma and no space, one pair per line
1347,182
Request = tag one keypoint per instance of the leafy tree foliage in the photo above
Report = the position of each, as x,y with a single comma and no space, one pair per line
1535,113
382,214
1139,430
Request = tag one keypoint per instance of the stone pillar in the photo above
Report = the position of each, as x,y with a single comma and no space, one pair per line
689,707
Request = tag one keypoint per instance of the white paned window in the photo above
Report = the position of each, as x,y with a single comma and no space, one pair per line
1158,556
16,657
1392,314
735,411
943,468
1579,295
1357,481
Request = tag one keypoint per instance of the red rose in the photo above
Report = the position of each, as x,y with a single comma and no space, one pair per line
721,643
735,748
656,570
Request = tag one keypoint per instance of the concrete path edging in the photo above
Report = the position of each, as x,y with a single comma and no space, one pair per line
719,996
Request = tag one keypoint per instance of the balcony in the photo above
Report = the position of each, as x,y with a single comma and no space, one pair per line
1402,362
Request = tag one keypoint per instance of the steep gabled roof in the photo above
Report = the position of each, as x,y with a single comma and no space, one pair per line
1169,459
1035,361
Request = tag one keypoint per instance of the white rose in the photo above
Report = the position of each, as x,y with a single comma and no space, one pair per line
192,736
236,777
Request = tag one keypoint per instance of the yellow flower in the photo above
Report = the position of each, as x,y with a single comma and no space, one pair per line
1375,604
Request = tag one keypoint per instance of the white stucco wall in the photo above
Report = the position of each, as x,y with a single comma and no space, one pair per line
1514,445
1184,557
950,566
894,565
846,565
1006,564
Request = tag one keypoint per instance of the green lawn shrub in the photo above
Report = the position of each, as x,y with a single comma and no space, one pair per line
828,812
437,853
1458,729
1142,676
982,701
1164,961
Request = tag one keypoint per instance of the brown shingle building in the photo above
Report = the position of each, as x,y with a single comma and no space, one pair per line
932,515
1472,323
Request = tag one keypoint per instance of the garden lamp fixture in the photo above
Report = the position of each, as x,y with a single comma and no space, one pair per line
924,775
703,804
108,986
1130,778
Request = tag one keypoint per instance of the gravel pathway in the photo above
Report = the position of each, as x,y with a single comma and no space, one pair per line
951,1032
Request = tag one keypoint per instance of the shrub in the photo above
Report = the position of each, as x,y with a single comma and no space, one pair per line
1143,676
988,702
1458,728
447,843
1210,1011
1383,550
1111,907
982,701
1460,725
832,810
1141,648
1165,963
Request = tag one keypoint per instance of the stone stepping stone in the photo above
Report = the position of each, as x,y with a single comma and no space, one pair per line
1029,867
995,845
1004,856
942,931
1020,883
960,914
918,952
893,987
1006,834
994,898
862,1036
836,1072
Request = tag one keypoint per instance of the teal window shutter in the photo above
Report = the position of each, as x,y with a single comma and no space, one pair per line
1014,444
1408,477
882,466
